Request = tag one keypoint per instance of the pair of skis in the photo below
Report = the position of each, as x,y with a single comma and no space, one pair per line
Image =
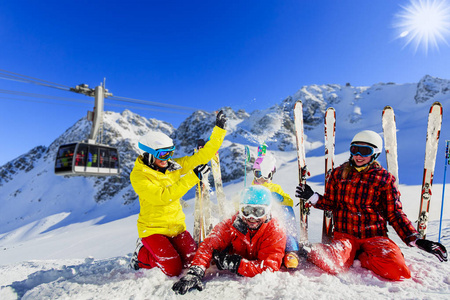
432,142
330,133
202,212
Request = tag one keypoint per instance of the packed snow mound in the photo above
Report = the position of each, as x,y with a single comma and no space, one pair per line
112,279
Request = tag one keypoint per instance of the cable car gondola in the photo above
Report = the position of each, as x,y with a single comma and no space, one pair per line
87,159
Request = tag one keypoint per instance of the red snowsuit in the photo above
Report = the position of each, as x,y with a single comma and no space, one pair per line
362,203
261,249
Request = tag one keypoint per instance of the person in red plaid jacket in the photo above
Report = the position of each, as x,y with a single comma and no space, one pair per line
363,197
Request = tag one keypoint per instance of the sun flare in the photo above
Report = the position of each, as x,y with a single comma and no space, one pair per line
424,23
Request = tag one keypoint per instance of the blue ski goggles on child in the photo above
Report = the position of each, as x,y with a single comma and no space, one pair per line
164,154
362,150
255,211
161,154
258,174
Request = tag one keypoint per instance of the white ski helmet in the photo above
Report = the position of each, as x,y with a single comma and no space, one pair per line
369,137
266,164
155,140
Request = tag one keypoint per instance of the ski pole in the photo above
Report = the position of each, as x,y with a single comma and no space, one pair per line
247,159
447,162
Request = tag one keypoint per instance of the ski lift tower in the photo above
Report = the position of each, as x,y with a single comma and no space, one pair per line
96,116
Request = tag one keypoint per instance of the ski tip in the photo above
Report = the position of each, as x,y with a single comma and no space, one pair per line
298,102
330,109
436,105
388,110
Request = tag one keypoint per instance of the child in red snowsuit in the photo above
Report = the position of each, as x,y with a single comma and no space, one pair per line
247,244
363,198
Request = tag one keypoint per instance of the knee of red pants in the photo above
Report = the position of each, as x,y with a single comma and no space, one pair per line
159,252
389,269
384,258
333,258
185,246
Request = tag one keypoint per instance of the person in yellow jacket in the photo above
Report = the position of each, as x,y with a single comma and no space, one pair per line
263,170
160,182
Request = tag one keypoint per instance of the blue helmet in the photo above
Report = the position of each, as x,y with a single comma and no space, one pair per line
256,195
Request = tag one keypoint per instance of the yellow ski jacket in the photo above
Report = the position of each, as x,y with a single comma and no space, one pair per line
273,187
159,193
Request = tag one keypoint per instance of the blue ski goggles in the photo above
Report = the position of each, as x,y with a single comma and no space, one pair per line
161,154
255,211
164,154
362,150
258,174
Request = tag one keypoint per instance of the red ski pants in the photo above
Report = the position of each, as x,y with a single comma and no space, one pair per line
379,254
170,254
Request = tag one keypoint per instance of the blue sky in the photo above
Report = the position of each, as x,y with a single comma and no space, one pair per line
199,54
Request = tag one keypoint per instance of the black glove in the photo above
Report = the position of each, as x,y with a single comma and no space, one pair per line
303,191
221,120
200,143
226,261
437,249
201,170
304,249
192,279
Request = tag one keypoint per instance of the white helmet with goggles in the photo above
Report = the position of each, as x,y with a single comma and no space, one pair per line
366,143
157,144
264,166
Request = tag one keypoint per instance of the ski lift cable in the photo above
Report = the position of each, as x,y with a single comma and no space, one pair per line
34,95
146,108
33,80
44,102
131,100
28,79
87,102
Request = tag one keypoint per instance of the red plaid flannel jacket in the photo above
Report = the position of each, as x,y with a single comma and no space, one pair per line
363,202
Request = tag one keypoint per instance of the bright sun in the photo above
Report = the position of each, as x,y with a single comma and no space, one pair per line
424,23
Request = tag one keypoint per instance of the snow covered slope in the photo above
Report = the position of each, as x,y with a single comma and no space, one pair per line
90,261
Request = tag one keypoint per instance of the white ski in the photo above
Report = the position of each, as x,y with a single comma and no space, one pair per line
202,213
433,132
301,158
220,194
330,134
390,141
198,214
207,226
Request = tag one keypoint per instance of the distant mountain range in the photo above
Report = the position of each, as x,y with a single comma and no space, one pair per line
30,190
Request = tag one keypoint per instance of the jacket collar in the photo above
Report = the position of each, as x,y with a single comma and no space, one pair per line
173,166
240,226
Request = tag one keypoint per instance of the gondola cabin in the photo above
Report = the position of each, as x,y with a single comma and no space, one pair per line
84,159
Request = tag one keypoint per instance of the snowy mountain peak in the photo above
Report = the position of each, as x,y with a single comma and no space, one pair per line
431,87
